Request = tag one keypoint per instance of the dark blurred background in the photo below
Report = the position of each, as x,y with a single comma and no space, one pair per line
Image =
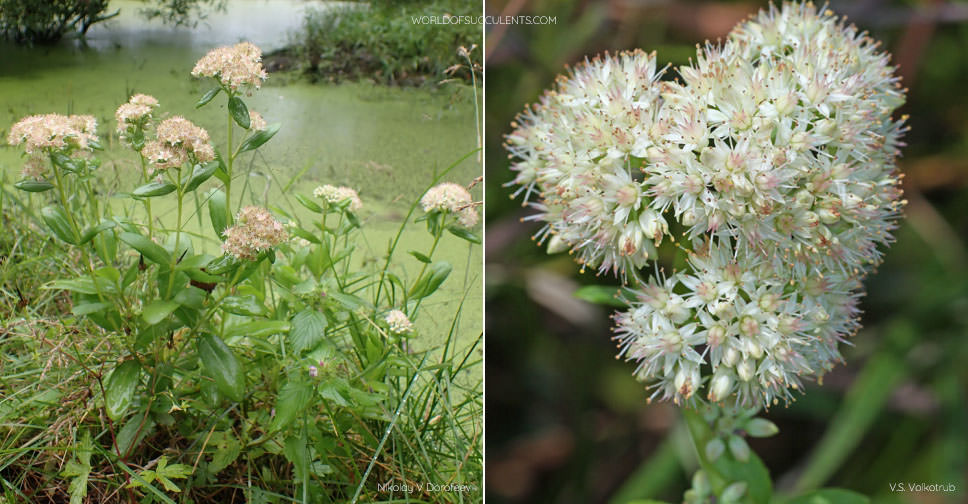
566,421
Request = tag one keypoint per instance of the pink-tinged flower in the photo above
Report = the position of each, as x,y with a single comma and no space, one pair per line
34,168
135,112
255,231
256,122
237,67
451,198
179,140
334,195
53,132
163,155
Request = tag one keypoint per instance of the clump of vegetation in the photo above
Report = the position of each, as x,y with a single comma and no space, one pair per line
47,21
387,42
254,357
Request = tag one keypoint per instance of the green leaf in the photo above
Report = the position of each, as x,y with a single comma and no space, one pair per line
138,426
431,281
208,96
153,189
225,453
223,265
260,137
190,297
64,162
218,211
463,233
349,301
240,113
57,222
309,204
158,310
166,473
726,469
79,471
752,472
305,235
222,173
149,249
830,496
307,330
120,387
296,451
420,257
293,400
93,231
258,329
606,295
243,305
200,174
88,308
83,285
221,365
30,185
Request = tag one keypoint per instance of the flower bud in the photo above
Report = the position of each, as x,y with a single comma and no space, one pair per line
720,386
745,370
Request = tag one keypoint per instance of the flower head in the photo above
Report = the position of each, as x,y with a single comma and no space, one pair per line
592,195
775,153
53,132
335,195
451,198
398,322
256,122
34,168
179,140
255,231
237,67
135,112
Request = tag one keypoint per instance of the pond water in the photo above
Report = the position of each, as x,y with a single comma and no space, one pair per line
386,142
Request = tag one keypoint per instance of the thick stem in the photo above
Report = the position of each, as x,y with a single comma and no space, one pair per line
229,162
144,172
178,231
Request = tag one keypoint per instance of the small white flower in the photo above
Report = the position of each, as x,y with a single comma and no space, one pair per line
398,322
774,153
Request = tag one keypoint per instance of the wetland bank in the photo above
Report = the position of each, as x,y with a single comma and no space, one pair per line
385,141
199,303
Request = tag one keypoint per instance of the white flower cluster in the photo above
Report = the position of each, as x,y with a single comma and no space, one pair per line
236,67
43,134
774,159
335,195
179,141
254,232
452,198
134,113
398,322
